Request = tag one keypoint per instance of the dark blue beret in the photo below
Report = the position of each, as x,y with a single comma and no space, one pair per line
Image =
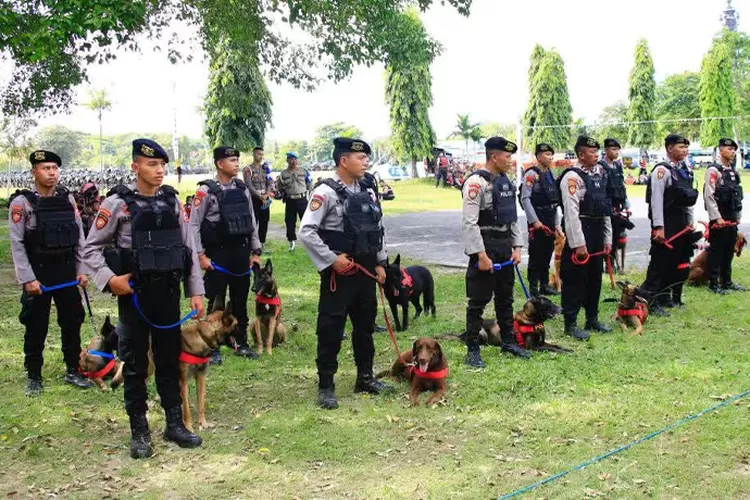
225,152
41,156
500,144
348,145
543,148
673,139
149,149
585,141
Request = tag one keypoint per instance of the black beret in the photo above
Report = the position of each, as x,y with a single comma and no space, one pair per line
149,149
673,139
500,144
611,143
728,142
348,145
543,148
225,152
41,156
585,141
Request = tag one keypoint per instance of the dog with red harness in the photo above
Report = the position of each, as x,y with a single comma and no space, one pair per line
408,285
425,368
632,309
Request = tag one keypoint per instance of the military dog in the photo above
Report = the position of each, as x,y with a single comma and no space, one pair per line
404,285
632,310
98,360
199,340
424,367
699,265
554,278
269,330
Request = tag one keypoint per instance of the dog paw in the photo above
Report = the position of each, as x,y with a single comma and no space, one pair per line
204,425
269,351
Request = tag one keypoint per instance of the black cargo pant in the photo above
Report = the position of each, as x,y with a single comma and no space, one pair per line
483,286
669,267
293,210
354,297
541,248
35,312
721,253
235,259
161,305
582,284
262,216
441,173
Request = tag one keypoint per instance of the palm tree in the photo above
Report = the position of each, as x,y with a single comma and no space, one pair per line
99,102
467,130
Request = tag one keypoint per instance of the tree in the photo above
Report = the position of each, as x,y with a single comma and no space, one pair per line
65,142
238,102
738,44
611,122
51,42
717,99
278,157
530,116
408,91
642,95
322,146
15,140
467,130
494,129
99,102
677,98
551,104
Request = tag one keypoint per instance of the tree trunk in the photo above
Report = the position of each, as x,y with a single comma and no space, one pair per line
414,172
101,157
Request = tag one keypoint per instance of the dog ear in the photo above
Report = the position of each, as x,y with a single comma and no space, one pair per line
226,316
107,321
439,352
622,284
268,267
414,347
217,304
256,268
397,260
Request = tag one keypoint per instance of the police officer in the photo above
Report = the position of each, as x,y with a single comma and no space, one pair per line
586,208
491,236
261,189
671,196
294,183
226,234
140,249
722,194
617,193
343,223
540,199
90,198
46,241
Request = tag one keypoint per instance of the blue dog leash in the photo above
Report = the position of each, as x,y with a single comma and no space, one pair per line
52,288
523,285
497,267
137,307
220,269
102,354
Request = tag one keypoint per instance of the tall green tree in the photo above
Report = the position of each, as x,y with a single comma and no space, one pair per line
408,90
642,96
551,104
238,102
322,146
611,122
717,98
50,43
15,137
65,142
530,116
677,98
494,129
738,44
99,102
467,130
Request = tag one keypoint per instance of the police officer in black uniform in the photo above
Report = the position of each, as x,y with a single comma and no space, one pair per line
540,199
618,194
671,195
586,208
343,222
491,236
141,249
722,193
46,241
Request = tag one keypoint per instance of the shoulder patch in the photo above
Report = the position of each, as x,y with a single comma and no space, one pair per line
102,218
712,176
317,201
473,191
530,179
199,198
660,171
16,214
572,186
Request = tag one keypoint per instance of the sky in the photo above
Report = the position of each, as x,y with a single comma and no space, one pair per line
481,71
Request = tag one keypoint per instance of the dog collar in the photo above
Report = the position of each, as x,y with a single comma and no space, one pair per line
269,301
640,310
102,354
436,375
101,373
192,359
527,328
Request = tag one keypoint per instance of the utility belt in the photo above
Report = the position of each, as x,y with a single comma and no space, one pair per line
544,208
295,196
495,233
122,261
341,242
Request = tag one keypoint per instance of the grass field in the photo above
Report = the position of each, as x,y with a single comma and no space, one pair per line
507,426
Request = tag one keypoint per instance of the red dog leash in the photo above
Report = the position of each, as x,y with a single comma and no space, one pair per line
668,243
103,372
585,260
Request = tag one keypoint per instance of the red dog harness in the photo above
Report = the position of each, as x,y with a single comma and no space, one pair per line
192,359
519,330
437,375
103,372
406,282
640,310
269,301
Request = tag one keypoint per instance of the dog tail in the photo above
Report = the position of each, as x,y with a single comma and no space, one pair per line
429,294
384,373
452,336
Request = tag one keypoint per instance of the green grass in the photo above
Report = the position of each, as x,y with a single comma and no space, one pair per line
507,426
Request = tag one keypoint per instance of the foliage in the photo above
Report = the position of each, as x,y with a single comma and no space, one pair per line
99,102
717,97
677,97
467,130
277,156
642,96
738,44
550,102
322,145
238,102
65,142
494,129
610,123
530,116
15,138
408,91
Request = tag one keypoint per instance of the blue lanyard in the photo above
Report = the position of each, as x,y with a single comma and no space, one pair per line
52,288
230,273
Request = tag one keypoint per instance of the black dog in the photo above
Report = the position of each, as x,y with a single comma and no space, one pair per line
408,285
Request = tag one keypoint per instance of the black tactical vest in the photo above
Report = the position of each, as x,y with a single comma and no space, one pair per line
616,184
729,194
680,194
236,223
504,210
56,227
596,202
544,194
157,246
362,235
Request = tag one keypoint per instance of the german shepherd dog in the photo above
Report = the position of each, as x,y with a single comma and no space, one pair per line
408,285
554,278
199,340
269,330
632,310
699,265
97,367
424,367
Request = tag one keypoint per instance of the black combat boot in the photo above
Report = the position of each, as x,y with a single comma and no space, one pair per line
677,297
327,398
74,378
34,385
716,288
176,431
594,325
571,328
367,383
215,358
140,437
734,287
515,349
474,358
245,351
533,289
547,290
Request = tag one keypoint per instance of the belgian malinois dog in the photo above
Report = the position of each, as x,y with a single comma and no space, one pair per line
269,330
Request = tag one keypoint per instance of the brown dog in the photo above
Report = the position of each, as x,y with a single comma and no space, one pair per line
424,367
199,339
554,278
267,310
528,325
699,265
632,310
